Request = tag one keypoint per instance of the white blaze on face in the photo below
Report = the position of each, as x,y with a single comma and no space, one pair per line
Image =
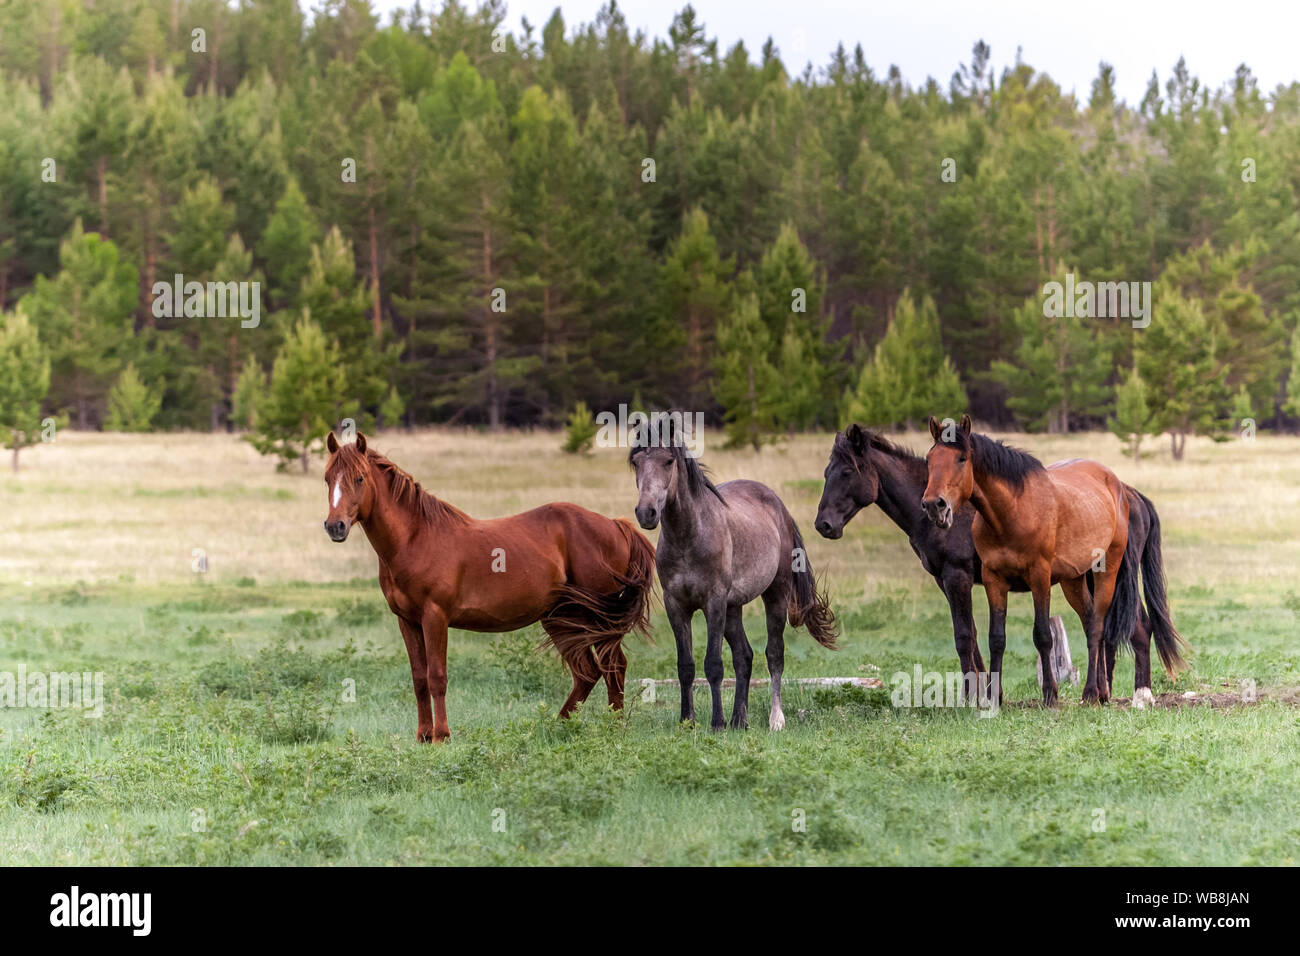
338,491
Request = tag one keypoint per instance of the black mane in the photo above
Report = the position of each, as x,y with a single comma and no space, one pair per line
1012,465
843,448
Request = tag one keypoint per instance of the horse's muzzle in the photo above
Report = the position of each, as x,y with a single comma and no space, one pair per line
647,516
827,530
939,512
337,530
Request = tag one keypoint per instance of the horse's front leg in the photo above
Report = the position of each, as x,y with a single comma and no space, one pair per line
434,625
414,638
957,589
1040,584
995,589
715,617
679,618
742,659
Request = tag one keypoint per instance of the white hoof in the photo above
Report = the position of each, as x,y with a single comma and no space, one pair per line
777,720
1142,698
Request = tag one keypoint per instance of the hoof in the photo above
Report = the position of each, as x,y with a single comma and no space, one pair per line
776,721
1143,698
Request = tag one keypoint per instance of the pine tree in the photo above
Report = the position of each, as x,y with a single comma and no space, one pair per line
24,382
84,315
302,402
694,297
132,405
250,391
287,243
1060,370
1177,359
790,291
1293,380
908,377
1132,419
747,386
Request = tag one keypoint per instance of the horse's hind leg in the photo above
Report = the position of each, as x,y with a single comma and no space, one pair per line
614,670
777,609
582,686
715,615
1142,695
742,659
581,667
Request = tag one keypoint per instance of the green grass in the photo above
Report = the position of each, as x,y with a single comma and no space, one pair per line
230,733
226,738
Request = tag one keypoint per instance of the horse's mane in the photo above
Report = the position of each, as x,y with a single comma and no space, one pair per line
351,464
1012,465
698,479
842,448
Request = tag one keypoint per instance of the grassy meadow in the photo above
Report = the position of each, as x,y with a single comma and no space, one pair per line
260,711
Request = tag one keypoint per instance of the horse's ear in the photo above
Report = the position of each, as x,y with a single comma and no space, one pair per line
935,429
361,443
857,439
331,443
966,425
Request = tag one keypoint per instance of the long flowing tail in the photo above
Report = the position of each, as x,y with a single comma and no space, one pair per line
586,626
809,607
1126,603
1169,643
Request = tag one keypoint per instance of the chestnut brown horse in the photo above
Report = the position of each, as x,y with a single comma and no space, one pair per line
585,577
1036,526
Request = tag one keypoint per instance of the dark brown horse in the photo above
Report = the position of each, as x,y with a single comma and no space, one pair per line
587,578
1035,526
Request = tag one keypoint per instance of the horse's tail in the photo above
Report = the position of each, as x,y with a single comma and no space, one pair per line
587,626
809,607
1169,643
1126,602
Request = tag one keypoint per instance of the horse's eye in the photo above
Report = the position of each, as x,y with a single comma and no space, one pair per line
961,460
359,480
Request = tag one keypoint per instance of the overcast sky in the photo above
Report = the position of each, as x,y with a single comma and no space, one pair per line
931,37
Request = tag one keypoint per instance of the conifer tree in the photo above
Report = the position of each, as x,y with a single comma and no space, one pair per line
302,402
24,382
908,377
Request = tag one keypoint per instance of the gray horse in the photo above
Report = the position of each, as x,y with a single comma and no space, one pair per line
720,548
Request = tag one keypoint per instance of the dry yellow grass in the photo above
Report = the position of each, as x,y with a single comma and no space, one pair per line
104,507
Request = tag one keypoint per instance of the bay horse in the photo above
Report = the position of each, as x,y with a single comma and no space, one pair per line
722,547
585,577
865,468
1067,524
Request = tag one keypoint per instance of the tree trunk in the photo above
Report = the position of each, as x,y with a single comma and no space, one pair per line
376,316
101,177
150,258
15,459
490,324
